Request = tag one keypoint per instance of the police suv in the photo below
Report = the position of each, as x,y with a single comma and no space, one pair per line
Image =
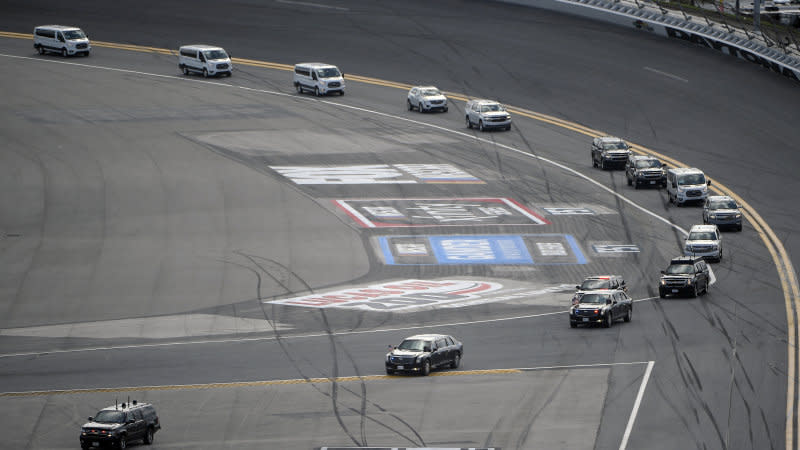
119,424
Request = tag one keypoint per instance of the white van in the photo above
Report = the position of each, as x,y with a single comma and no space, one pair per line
686,184
61,39
206,59
318,78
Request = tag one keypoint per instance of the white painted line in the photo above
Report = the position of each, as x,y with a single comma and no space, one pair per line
636,404
283,338
300,380
666,74
313,5
581,366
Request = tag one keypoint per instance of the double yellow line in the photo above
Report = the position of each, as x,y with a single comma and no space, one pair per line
240,384
783,264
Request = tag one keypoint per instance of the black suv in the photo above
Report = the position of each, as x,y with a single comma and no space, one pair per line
117,425
609,152
686,275
423,352
641,170
603,307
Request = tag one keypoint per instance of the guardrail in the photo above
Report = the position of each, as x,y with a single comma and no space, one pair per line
653,17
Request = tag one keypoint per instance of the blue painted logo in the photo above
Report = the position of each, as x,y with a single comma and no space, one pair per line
525,249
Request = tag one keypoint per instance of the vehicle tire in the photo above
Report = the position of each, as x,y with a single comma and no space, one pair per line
299,88
426,368
607,322
64,52
594,162
480,125
629,315
316,92
185,70
229,74
410,106
445,109
85,54
508,127
630,182
662,294
341,93
739,228
148,436
456,361
389,372
122,442
602,164
469,124
205,72
40,49
694,291
573,324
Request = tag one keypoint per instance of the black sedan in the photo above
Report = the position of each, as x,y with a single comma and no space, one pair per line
423,352
603,307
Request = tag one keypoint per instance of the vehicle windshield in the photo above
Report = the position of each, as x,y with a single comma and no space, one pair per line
691,179
618,145
110,417
680,269
74,34
647,163
588,285
330,72
215,54
492,107
702,236
414,345
722,204
430,92
598,299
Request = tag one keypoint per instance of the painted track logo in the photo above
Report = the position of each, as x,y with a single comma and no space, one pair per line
403,295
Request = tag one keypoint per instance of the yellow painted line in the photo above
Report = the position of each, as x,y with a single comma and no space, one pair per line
783,264
239,384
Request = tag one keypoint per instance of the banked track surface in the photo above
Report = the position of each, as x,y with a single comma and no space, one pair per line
771,240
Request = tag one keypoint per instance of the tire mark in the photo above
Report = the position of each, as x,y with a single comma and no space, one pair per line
332,378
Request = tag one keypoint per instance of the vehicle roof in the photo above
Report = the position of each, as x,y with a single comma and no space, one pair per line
686,170
703,228
59,27
602,277
602,291
315,65
685,260
128,407
483,100
425,337
609,139
720,197
201,47
642,157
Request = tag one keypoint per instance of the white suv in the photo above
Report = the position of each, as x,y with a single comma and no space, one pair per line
426,98
61,39
486,114
705,241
